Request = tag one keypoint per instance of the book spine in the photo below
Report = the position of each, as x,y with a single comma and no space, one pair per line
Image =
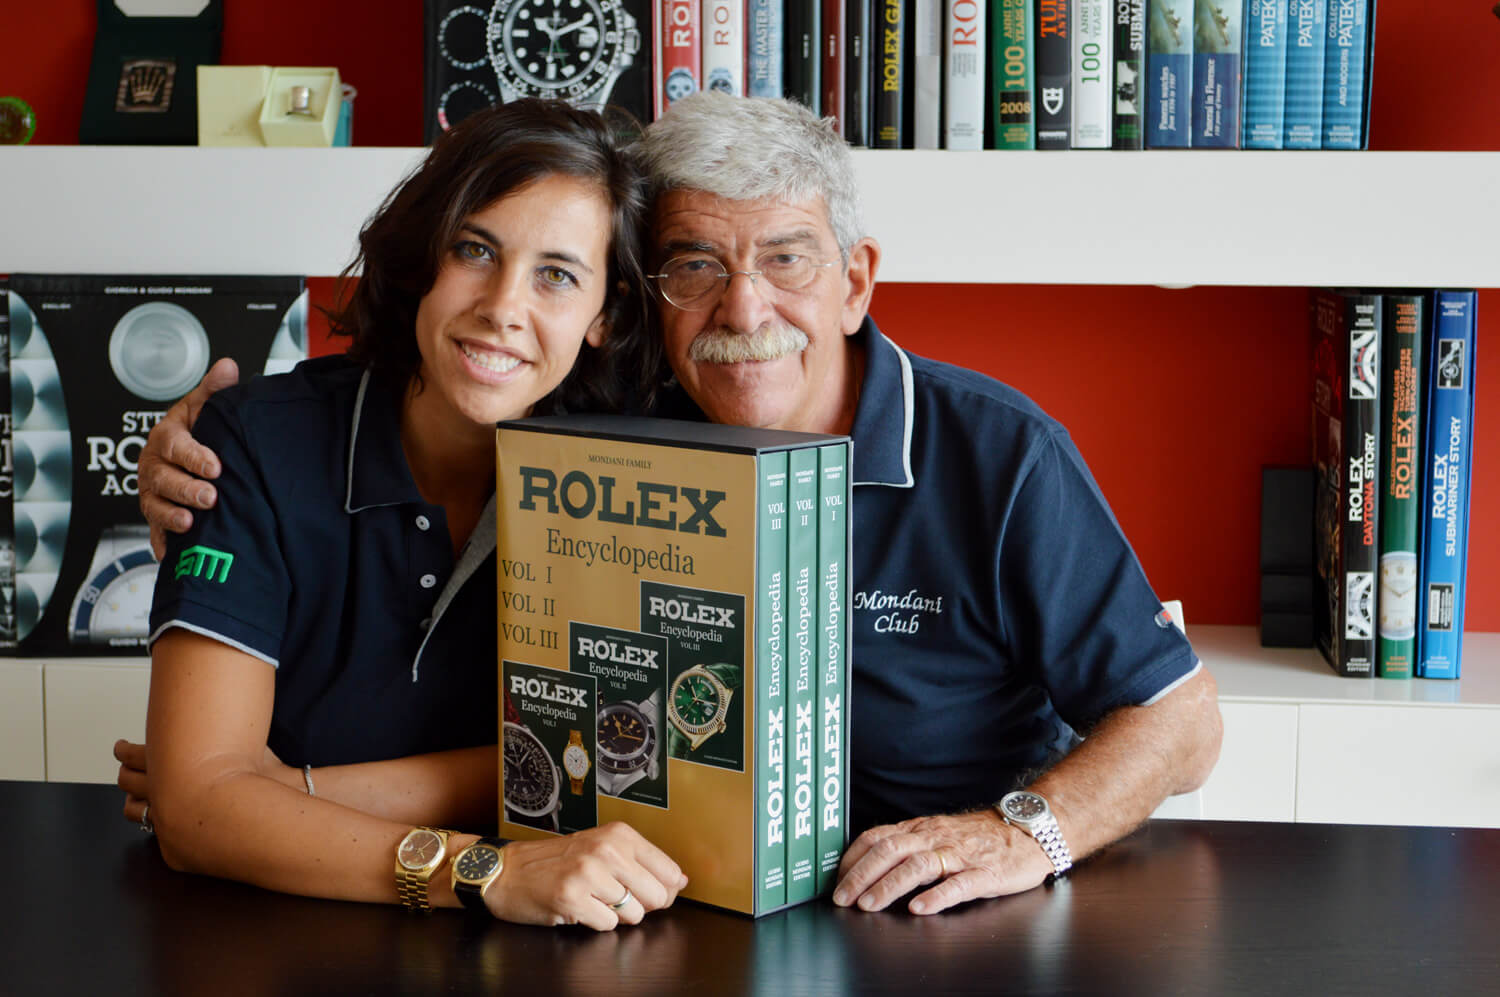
890,75
1305,47
678,57
1217,33
1448,457
802,80
765,46
802,566
1344,75
835,14
857,72
927,73
1013,76
771,675
1054,75
833,645
1169,67
1128,124
963,95
1403,330
1264,119
724,46
7,480
1092,79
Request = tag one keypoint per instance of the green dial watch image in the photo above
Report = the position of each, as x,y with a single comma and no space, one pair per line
698,704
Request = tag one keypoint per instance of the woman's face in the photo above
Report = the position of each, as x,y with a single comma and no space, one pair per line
518,291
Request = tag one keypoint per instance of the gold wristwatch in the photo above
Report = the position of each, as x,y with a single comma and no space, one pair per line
576,761
418,856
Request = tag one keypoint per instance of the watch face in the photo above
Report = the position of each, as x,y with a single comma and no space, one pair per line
117,601
419,849
556,48
158,351
575,761
476,862
625,738
531,780
696,702
1024,806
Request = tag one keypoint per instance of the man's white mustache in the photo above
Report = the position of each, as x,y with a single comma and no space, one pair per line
769,342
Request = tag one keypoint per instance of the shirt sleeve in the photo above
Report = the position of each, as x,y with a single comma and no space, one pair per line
1076,603
226,577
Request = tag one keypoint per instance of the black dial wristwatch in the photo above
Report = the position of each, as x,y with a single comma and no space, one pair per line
475,868
574,50
1030,813
627,744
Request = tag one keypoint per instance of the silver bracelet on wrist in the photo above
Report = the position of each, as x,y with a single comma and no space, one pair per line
307,778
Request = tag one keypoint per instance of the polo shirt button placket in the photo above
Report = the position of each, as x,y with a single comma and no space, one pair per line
423,523
428,581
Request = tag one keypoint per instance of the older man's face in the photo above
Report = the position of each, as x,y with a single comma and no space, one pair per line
802,374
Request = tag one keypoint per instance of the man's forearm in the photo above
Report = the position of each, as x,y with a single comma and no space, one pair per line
1134,759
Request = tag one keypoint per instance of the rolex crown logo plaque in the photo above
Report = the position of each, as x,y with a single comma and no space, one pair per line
672,639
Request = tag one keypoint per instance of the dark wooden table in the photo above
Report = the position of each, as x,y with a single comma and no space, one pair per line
1180,907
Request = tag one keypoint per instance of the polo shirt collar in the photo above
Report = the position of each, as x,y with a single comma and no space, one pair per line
377,474
882,427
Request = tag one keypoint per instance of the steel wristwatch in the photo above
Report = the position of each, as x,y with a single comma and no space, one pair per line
574,52
1030,812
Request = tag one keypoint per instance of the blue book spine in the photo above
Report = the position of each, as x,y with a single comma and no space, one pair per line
1169,61
1344,75
765,42
1217,36
1265,74
1305,44
1450,446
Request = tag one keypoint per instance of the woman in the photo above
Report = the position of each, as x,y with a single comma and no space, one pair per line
336,608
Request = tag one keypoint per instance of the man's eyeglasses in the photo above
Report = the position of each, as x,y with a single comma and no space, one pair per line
696,283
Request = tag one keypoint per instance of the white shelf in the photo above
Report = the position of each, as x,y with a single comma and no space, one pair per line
1182,217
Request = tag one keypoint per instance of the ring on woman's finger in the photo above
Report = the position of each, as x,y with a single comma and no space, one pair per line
942,863
623,900
146,824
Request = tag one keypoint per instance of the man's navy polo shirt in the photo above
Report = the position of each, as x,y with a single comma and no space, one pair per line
997,607
342,577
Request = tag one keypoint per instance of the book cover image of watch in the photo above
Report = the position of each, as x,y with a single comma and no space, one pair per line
574,50
532,785
628,744
576,762
698,704
114,602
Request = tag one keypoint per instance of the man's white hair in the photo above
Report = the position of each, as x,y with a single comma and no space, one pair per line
749,148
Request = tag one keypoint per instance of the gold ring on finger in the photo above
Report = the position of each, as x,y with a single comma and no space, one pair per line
942,863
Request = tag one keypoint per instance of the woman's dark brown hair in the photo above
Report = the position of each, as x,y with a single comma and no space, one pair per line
488,155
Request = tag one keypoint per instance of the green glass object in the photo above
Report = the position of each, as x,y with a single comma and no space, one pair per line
17,121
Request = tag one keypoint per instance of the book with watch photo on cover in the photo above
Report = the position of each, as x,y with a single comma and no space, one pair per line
549,746
95,361
592,53
650,557
7,536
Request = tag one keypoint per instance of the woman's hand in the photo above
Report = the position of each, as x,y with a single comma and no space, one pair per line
579,878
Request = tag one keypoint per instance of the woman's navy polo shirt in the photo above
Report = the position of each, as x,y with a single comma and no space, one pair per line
996,607
321,559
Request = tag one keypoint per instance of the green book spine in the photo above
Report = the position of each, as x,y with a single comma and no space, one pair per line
802,565
1400,513
833,660
770,671
1013,75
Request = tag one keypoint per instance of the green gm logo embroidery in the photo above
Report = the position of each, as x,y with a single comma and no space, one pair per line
204,562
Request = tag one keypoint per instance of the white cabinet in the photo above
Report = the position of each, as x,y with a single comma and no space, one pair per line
22,738
1256,777
91,703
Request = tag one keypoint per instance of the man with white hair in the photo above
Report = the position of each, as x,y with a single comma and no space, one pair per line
1020,699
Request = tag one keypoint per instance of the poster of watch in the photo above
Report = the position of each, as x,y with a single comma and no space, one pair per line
632,672
705,660
549,747
587,52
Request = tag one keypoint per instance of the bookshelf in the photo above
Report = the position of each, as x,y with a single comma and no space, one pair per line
190,210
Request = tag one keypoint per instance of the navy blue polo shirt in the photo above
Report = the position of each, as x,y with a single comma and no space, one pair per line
1001,610
321,559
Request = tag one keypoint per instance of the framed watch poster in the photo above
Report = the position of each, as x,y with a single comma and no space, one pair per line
588,52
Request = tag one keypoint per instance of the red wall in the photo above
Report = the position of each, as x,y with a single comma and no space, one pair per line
1176,398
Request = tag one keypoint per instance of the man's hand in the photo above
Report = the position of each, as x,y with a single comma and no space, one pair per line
967,857
173,464
578,878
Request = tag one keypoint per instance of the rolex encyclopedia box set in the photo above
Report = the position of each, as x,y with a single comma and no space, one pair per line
674,645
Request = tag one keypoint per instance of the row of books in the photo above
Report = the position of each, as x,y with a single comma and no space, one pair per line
1393,407
674,645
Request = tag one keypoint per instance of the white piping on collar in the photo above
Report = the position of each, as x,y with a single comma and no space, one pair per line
908,413
359,407
478,547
